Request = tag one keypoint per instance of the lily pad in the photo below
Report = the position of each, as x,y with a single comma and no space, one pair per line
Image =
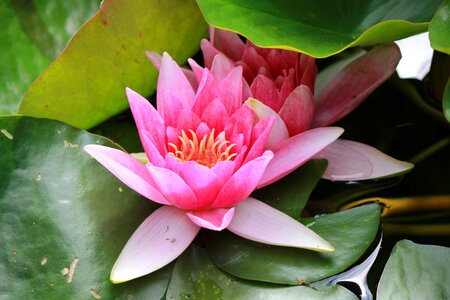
416,271
291,193
320,28
196,277
33,34
86,84
64,218
350,232
440,28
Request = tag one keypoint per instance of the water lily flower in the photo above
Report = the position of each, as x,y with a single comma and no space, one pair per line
206,153
283,81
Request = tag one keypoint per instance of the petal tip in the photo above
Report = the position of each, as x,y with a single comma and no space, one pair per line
130,93
325,247
92,148
119,277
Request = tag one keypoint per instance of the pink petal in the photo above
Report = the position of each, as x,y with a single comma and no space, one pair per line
196,69
309,71
152,153
264,52
257,221
240,122
224,170
265,71
154,58
260,134
253,59
217,219
348,160
276,62
173,187
171,78
243,182
296,150
209,52
202,180
239,159
298,110
172,135
212,31
187,119
354,83
265,90
249,74
287,86
229,43
230,90
161,238
190,76
215,115
279,131
129,170
291,57
206,93
246,91
172,164
202,130
147,119
221,66
172,100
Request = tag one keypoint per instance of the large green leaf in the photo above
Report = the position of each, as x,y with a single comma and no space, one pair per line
440,28
350,232
32,36
86,84
320,28
291,193
61,210
416,271
195,277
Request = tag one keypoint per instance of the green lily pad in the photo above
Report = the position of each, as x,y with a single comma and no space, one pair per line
320,28
33,34
196,277
440,28
86,84
416,271
291,193
63,217
350,232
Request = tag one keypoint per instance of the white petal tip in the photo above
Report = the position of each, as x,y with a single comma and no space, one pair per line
116,281
119,275
339,130
129,92
92,148
325,248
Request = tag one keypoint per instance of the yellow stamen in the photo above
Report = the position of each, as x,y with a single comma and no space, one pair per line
208,151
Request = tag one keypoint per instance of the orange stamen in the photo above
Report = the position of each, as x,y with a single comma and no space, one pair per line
208,151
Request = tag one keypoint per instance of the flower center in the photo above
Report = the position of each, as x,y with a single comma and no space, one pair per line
208,151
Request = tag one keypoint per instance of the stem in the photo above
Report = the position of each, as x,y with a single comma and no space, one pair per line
430,150
411,93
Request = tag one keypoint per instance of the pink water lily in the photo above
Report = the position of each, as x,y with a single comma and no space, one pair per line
206,153
282,85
